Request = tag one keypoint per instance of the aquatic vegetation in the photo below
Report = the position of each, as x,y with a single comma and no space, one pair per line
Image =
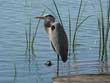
78,25
70,43
35,33
28,24
30,33
58,13
30,36
103,27
15,74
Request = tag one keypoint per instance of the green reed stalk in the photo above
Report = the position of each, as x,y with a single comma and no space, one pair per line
35,33
51,11
15,74
76,29
84,20
57,11
69,33
108,20
78,24
29,33
108,27
69,53
29,49
26,31
104,32
102,27
26,34
100,42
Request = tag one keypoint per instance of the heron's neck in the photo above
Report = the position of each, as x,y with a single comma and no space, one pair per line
48,26
48,23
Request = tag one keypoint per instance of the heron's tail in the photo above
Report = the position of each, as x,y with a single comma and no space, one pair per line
64,57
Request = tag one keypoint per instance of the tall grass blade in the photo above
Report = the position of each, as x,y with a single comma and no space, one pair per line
108,21
84,20
76,28
30,32
57,11
29,44
35,33
83,9
108,28
26,31
100,37
104,33
51,11
26,34
78,24
79,12
69,53
69,33
15,74
103,28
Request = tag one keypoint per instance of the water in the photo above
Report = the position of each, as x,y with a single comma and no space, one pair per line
15,14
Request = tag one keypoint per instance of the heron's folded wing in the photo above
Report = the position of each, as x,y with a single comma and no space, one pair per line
59,40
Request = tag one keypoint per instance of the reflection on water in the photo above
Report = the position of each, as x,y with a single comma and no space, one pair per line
18,67
103,67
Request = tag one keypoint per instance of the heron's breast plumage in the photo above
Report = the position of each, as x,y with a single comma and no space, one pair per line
50,33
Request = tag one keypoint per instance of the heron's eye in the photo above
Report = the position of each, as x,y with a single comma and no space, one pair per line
52,28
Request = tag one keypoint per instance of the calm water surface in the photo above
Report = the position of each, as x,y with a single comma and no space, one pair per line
15,66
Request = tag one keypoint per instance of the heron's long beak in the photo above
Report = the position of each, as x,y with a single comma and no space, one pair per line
40,17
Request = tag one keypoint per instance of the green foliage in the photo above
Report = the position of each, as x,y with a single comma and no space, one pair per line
103,31
15,74
78,25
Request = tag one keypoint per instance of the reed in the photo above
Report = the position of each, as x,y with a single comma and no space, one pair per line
15,74
100,46
30,39
29,43
69,52
58,13
69,25
30,36
108,28
103,28
35,33
51,11
28,24
26,31
26,38
78,25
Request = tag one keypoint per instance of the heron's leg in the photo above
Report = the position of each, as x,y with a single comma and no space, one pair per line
57,65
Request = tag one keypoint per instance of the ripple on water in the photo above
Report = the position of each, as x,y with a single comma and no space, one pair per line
13,18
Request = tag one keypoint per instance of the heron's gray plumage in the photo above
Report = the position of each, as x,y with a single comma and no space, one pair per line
58,39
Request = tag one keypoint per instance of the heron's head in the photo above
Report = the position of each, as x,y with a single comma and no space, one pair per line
48,19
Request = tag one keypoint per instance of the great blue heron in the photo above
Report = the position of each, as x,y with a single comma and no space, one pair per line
57,36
